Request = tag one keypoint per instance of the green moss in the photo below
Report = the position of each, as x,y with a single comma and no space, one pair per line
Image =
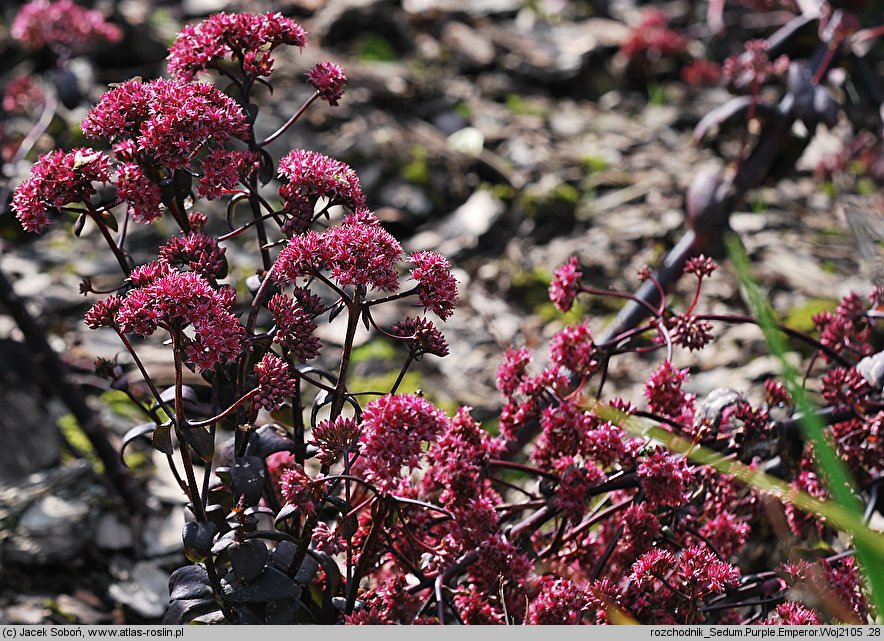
829,188
463,110
559,200
501,191
801,317
566,193
758,206
375,48
549,313
594,163
521,107
865,187
121,405
417,171
75,435
531,286
375,349
656,95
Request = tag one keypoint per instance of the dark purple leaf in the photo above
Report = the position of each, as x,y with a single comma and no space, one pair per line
201,441
185,610
139,430
271,585
283,555
198,539
247,479
248,559
267,440
190,582
162,438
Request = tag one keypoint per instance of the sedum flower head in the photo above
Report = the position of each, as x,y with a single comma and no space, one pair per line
436,286
423,337
228,37
198,252
294,327
166,298
58,178
139,191
335,438
276,385
63,26
665,478
512,370
393,428
103,313
298,488
167,119
328,79
563,288
23,95
312,176
223,170
357,255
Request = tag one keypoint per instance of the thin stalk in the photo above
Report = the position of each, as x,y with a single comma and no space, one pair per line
288,123
340,393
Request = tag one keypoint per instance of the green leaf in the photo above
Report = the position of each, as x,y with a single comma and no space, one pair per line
869,544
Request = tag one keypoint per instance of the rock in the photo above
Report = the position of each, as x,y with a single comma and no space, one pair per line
475,9
162,533
345,21
80,611
52,530
555,53
49,517
144,588
203,7
28,611
30,437
112,534
469,46
407,198
463,228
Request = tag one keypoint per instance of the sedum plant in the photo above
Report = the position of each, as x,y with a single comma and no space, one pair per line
332,504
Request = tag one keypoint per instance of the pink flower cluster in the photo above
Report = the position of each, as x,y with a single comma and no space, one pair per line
393,428
223,170
58,178
198,252
357,255
665,396
243,38
422,336
164,297
63,26
328,79
312,176
563,288
23,95
754,65
169,121
294,328
142,194
276,385
299,489
653,39
335,439
436,287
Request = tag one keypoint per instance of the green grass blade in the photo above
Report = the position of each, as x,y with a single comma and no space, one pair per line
835,474
837,515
